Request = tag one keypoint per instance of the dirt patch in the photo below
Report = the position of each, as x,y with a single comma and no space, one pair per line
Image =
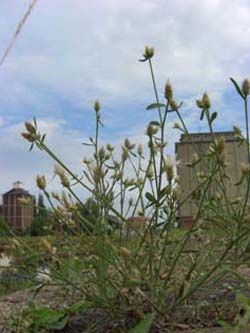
14,304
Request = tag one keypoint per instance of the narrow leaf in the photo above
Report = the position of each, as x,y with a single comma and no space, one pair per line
35,123
155,106
237,87
213,116
88,144
81,305
131,284
163,192
144,325
150,197
202,114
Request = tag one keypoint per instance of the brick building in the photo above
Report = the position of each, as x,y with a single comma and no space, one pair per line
200,142
15,213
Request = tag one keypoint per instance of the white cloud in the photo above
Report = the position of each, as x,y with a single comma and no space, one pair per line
81,50
19,163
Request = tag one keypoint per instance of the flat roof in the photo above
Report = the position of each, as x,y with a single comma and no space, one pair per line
206,137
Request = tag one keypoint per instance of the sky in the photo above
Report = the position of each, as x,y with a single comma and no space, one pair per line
71,52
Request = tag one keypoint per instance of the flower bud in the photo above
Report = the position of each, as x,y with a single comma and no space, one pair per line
31,137
117,164
245,87
125,154
46,245
151,130
65,181
221,144
169,169
150,172
97,106
58,170
125,252
55,196
101,153
86,161
98,174
30,128
110,148
245,169
177,126
128,144
148,53
168,91
41,182
200,104
206,101
140,149
173,105
117,175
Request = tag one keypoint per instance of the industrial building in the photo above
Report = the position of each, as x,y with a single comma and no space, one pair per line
198,144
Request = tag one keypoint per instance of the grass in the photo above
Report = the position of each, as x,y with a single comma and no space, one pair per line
160,269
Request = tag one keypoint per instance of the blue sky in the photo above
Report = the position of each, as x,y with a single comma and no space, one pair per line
71,52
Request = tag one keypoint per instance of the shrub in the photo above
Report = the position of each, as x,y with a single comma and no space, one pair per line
158,269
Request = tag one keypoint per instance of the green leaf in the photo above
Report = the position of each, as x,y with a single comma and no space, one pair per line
155,106
237,88
150,197
32,260
131,284
155,123
101,123
213,116
243,299
60,324
43,137
227,328
35,123
81,305
142,60
144,325
49,318
38,289
163,192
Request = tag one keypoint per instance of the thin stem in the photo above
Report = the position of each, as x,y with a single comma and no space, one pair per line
248,159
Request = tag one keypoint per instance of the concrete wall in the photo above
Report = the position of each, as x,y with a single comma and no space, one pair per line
200,142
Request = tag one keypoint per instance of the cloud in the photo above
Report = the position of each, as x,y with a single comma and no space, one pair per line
84,50
70,52
20,164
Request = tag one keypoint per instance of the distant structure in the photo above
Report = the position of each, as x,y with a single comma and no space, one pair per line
15,213
185,149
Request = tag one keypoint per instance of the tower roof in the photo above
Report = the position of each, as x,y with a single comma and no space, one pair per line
18,190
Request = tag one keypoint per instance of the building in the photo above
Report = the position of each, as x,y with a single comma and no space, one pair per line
198,143
16,213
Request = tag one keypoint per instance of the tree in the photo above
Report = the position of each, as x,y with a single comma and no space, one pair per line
88,217
41,224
